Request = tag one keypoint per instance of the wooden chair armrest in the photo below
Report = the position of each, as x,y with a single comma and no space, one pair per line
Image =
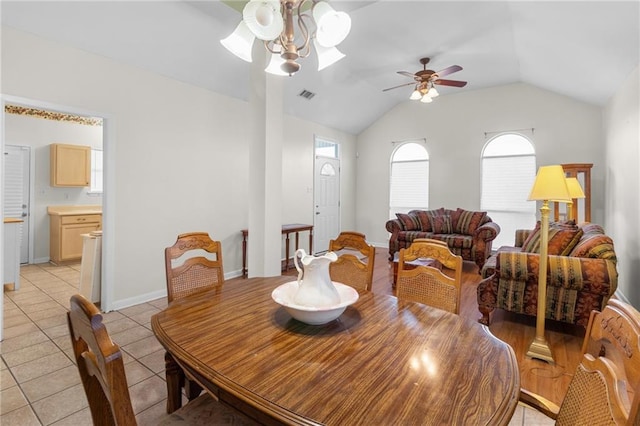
539,403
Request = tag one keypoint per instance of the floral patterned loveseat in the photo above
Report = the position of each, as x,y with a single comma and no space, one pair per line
467,233
581,274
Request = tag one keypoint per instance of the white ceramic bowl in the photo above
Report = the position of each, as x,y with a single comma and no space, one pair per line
284,294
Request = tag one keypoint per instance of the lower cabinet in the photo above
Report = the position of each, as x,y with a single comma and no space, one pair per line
66,235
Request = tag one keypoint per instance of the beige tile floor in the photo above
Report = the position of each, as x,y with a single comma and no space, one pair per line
39,382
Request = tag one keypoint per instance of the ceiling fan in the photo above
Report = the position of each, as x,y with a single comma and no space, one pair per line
425,80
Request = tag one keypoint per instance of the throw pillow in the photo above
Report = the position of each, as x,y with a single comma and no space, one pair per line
562,239
466,222
423,218
441,224
409,222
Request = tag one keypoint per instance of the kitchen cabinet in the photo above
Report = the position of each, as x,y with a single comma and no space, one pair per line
70,165
66,231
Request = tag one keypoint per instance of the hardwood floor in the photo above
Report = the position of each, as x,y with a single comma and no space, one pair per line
550,381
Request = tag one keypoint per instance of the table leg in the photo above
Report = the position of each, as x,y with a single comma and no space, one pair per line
311,240
175,381
244,256
286,252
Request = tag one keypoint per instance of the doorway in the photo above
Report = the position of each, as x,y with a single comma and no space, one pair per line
108,198
326,223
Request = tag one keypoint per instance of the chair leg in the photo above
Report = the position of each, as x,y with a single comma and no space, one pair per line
175,381
191,389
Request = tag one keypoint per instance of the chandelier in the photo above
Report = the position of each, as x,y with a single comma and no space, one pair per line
273,21
424,92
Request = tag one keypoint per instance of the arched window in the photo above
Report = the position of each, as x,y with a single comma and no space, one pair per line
508,172
409,188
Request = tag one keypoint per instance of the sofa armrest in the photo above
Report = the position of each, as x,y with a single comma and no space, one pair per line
486,232
482,238
393,226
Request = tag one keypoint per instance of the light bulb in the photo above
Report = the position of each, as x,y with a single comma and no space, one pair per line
433,92
415,95
426,99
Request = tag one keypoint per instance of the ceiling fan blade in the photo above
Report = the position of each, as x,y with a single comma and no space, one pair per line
449,70
402,85
454,83
406,73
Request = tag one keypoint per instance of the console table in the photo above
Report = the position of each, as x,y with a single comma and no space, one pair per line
286,230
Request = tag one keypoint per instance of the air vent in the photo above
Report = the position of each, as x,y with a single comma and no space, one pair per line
306,94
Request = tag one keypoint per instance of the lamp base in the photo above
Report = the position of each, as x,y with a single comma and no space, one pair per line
539,349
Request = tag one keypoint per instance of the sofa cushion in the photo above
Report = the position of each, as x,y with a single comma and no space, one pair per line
455,240
441,224
563,237
409,222
466,222
409,236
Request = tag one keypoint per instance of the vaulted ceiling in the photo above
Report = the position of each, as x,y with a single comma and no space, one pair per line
581,49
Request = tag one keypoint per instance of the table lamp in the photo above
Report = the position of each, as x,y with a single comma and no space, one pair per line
550,184
575,191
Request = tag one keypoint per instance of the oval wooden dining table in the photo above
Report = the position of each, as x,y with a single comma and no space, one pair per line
382,362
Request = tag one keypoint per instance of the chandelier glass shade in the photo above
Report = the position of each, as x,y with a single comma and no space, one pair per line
424,92
285,30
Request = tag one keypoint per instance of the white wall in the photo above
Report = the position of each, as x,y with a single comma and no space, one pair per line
180,155
454,125
622,141
39,133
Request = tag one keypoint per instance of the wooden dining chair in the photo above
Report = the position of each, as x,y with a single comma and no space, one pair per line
193,263
355,263
102,372
420,277
605,389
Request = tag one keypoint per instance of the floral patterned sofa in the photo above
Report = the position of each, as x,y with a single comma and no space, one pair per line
581,274
467,233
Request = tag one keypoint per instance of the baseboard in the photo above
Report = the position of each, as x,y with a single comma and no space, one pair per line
143,298
148,297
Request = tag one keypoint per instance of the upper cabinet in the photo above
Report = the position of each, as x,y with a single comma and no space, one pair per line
70,165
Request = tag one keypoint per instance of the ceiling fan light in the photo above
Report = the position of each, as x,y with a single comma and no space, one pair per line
263,18
426,99
433,92
332,27
327,56
275,63
240,42
415,95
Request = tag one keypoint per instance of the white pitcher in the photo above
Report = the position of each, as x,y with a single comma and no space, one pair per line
315,287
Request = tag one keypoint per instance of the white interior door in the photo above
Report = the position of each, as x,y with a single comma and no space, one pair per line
326,224
17,171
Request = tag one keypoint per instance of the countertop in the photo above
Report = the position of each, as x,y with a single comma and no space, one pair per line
74,210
